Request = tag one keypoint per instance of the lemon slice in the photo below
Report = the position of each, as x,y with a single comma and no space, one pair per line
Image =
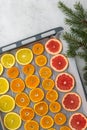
7,103
7,60
4,85
1,69
24,56
12,121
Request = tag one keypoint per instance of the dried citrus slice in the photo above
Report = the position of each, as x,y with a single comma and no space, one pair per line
41,60
65,128
46,122
7,60
41,108
38,48
4,85
47,84
27,113
31,125
7,103
12,121
24,56
45,72
32,81
1,69
28,69
60,118
13,72
22,100
55,107
51,129
17,85
52,95
36,95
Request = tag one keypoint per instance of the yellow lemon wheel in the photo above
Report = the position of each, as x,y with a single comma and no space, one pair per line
1,69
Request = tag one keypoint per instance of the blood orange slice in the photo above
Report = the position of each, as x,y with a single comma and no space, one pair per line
59,63
53,46
78,122
64,82
71,101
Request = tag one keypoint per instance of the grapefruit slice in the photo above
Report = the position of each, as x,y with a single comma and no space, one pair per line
59,63
64,82
78,122
71,101
31,125
53,46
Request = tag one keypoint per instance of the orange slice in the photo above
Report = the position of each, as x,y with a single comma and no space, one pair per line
45,72
4,85
47,84
55,107
36,95
13,72
65,128
46,122
51,129
32,81
17,85
22,100
38,48
1,69
31,125
41,108
60,118
28,69
52,95
41,60
27,113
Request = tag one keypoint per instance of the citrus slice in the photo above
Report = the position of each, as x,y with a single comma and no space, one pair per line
60,118
45,72
51,129
64,82
4,85
55,107
65,128
24,56
32,81
1,69
7,60
52,95
17,85
22,100
7,103
53,46
27,113
12,121
28,69
47,84
38,48
41,108
41,60
31,125
36,95
46,122
13,72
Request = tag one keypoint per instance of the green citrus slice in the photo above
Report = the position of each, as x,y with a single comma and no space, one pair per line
24,56
7,103
4,85
8,60
1,69
12,121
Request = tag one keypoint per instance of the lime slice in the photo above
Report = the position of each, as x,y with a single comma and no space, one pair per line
24,56
4,85
7,60
7,103
1,69
12,121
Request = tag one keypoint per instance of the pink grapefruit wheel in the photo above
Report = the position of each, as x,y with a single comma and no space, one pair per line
64,82
71,101
53,46
78,122
59,63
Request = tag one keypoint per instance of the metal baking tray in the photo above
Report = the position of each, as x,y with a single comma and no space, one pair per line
73,69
